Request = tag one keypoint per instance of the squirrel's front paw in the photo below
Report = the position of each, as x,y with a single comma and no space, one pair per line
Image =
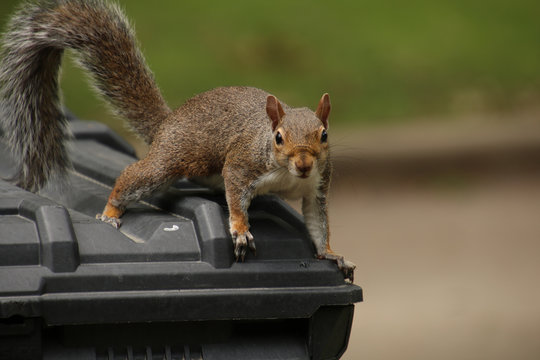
241,243
115,222
346,267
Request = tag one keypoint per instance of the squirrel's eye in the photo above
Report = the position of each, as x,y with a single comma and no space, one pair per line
324,136
279,138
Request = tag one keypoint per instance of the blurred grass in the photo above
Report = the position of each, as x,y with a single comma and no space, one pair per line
381,62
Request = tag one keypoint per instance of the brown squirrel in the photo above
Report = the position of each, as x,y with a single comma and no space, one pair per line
256,143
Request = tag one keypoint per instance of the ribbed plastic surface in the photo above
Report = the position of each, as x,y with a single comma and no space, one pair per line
169,269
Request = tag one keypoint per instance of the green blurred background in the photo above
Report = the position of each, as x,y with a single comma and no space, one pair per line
383,61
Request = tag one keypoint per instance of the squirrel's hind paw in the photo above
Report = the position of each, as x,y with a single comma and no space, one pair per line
115,222
241,243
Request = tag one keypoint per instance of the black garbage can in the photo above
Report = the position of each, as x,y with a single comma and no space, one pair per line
164,286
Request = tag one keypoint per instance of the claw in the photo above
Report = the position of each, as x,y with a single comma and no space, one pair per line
251,243
346,267
115,222
241,243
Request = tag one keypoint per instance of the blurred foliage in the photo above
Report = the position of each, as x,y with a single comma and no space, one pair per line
379,60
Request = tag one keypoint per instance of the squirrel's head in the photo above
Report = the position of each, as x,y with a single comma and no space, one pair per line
300,136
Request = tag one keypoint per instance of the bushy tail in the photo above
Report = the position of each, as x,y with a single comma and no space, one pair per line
30,108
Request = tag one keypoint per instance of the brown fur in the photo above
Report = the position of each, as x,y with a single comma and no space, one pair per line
230,131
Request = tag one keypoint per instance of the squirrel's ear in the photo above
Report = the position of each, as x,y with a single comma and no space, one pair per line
323,110
274,110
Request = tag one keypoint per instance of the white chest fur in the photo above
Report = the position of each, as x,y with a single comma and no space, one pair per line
287,185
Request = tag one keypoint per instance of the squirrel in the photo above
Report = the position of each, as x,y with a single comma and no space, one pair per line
255,142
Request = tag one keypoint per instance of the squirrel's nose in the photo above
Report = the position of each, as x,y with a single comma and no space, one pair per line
303,166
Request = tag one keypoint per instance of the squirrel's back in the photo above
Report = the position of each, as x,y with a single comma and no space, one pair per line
31,116
213,124
228,109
